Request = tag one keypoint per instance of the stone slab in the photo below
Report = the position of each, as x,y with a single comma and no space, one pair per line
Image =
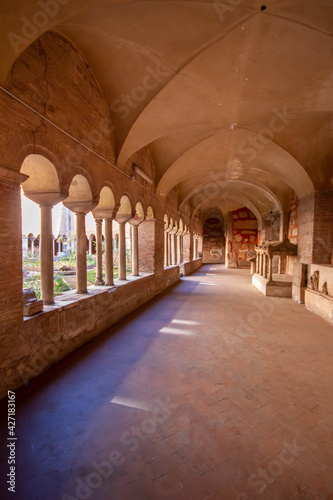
319,304
272,289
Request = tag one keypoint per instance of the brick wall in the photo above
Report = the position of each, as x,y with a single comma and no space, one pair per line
151,246
305,228
49,69
10,257
323,228
315,235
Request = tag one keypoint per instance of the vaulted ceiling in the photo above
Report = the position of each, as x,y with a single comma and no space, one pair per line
233,99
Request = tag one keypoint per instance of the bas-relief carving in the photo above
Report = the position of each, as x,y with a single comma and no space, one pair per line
314,284
314,281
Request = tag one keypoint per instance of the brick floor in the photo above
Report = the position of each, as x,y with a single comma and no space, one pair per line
210,391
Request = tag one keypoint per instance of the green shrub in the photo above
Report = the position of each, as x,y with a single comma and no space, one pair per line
60,285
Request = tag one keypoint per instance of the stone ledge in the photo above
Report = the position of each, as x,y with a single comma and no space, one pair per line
69,299
319,304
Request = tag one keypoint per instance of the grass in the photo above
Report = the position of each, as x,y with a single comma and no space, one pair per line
60,284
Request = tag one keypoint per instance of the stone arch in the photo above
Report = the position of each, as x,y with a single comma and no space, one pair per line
139,214
150,213
80,196
42,185
124,212
106,205
166,221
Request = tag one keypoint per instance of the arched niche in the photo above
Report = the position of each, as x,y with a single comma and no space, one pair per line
166,221
106,205
150,213
42,185
139,215
124,213
80,198
181,226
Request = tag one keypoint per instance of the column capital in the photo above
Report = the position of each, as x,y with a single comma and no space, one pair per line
78,207
46,198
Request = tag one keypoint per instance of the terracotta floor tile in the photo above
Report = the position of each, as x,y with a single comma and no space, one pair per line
214,415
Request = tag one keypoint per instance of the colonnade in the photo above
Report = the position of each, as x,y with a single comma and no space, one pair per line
47,246
178,241
264,264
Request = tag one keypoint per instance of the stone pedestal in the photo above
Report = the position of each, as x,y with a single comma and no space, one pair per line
30,303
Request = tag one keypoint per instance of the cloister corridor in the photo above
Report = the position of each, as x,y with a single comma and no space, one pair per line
209,391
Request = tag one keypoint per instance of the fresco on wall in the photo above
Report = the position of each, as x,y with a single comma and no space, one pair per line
244,237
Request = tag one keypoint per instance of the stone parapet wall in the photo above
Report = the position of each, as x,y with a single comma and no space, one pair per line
190,267
48,337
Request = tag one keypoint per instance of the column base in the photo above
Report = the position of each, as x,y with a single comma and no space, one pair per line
99,282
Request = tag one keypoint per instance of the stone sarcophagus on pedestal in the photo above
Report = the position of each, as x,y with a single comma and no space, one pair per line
31,305
278,284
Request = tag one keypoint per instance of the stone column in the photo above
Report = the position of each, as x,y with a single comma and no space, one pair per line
179,248
260,264
135,250
99,254
108,253
280,264
122,251
81,257
270,268
170,248
175,256
166,248
265,265
24,245
32,246
46,255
